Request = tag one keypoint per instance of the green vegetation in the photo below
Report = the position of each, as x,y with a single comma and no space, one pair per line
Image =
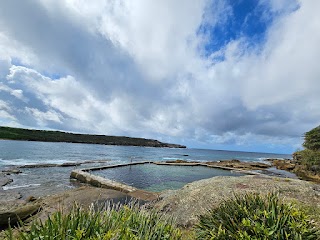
114,222
248,216
252,216
312,139
57,136
310,157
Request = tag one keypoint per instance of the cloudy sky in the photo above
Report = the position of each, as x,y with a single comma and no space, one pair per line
219,74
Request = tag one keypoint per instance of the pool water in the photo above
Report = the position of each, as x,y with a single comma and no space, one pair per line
156,178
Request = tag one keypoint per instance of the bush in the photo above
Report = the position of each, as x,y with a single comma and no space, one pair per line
312,139
113,222
252,216
309,158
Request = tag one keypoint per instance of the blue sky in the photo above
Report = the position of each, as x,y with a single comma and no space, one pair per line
247,18
218,74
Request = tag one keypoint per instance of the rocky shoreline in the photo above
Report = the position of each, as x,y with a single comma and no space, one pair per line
184,204
295,167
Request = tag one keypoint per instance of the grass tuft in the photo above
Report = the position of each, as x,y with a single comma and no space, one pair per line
252,216
126,222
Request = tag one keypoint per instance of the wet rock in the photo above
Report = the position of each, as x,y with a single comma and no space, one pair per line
235,163
69,164
224,164
46,165
180,161
12,171
4,180
16,214
39,165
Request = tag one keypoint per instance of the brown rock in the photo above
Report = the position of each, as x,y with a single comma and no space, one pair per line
283,164
235,163
31,199
13,216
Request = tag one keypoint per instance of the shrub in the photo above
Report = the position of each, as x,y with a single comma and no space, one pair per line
113,222
252,216
309,158
312,139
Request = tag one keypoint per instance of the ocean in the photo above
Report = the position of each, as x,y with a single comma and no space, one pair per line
49,180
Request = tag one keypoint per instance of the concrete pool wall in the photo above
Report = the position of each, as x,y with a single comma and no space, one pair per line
84,176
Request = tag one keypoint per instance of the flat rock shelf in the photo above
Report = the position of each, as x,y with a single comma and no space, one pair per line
151,176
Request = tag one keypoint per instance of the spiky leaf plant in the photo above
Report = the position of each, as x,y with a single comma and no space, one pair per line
253,216
113,222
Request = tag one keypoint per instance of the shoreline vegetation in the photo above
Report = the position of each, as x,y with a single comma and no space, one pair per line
9,133
191,207
260,206
305,163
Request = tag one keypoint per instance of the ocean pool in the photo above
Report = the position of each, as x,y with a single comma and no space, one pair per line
156,178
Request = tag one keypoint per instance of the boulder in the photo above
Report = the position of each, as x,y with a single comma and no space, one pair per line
196,198
14,215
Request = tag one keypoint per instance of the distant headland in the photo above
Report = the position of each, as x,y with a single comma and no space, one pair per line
10,133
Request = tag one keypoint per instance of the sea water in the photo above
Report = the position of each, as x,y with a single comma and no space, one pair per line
156,178
39,181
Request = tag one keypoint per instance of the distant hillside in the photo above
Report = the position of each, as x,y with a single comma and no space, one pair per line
57,136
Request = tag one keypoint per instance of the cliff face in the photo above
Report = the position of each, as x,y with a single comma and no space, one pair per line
57,136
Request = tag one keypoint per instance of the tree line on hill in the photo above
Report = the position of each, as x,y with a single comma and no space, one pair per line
58,136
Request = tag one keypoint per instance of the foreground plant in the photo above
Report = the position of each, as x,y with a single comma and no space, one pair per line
252,216
113,222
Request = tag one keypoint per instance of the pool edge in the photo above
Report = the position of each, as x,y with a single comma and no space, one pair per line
84,176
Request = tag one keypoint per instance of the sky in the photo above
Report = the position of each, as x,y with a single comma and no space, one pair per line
218,74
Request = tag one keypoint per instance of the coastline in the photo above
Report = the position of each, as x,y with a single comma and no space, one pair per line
184,204
14,200
9,133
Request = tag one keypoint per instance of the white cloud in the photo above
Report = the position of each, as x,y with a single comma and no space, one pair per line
139,68
4,105
278,6
5,111
286,72
18,93
44,117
